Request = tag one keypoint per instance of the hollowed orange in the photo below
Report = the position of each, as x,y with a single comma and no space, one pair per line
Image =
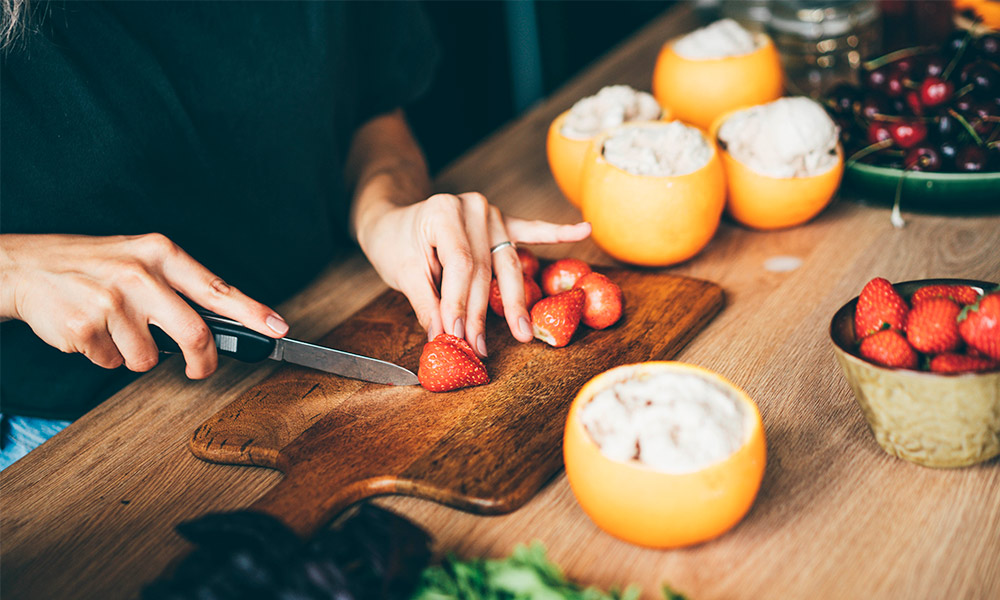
763,202
653,508
649,220
566,157
698,91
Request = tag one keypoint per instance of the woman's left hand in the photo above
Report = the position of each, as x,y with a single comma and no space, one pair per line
438,252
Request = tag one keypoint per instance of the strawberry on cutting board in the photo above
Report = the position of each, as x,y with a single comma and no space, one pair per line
563,275
555,319
879,306
603,301
448,363
979,325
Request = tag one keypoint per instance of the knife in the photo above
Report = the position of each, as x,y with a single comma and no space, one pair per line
246,345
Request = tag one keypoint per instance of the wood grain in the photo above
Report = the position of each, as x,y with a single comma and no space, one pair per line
836,517
485,449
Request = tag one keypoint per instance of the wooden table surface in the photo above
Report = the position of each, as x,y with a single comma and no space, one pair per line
90,514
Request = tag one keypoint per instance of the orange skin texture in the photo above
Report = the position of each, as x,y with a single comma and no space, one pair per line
655,509
652,221
698,91
767,203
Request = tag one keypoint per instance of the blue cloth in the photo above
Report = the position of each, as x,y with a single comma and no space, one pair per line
21,435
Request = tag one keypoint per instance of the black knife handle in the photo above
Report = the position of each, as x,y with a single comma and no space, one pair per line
231,339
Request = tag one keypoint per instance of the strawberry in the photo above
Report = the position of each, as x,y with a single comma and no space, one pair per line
555,319
448,363
890,349
532,294
963,294
962,363
529,263
879,305
602,305
979,325
562,275
931,326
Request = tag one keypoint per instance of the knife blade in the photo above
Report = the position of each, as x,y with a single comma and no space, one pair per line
234,340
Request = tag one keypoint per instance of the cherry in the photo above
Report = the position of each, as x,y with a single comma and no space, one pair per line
945,127
878,131
894,86
935,91
948,149
922,158
982,74
907,134
989,46
935,66
874,105
875,79
971,159
914,102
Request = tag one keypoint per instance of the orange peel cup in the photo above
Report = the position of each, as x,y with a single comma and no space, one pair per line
653,508
651,220
698,91
764,202
566,157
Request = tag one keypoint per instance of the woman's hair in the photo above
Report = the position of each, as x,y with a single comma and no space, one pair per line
13,15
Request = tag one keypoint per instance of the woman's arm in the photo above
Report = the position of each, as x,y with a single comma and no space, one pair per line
436,249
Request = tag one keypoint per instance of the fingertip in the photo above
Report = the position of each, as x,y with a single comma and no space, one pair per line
276,324
521,329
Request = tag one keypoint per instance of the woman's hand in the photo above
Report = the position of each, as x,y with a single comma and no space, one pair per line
99,295
438,253
437,250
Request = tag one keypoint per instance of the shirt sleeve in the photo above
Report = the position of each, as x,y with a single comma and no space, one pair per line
396,55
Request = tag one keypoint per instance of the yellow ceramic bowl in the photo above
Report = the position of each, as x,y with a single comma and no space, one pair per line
698,91
765,202
566,156
932,419
649,220
652,508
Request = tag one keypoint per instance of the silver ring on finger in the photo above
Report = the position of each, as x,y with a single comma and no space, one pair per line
501,246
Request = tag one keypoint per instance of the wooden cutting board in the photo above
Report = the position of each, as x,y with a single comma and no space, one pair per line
485,449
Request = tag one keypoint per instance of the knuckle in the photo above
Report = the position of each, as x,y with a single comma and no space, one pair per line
195,335
132,273
482,274
506,261
462,260
143,362
477,199
80,326
444,202
219,287
157,245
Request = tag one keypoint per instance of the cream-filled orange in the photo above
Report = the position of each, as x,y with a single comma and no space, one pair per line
764,201
651,506
698,90
652,220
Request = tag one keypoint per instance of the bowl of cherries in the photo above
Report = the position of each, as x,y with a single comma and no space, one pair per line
923,125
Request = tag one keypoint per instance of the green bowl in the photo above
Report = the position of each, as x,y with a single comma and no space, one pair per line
931,192
932,419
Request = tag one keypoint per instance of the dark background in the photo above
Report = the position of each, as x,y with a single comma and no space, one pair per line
473,93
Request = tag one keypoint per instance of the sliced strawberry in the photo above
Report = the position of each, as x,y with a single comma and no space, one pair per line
962,363
532,294
562,275
979,325
448,363
555,319
931,326
603,302
879,306
529,263
890,349
963,294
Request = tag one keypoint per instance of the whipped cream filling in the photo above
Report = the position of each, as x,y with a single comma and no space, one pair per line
611,106
660,150
790,137
721,39
670,422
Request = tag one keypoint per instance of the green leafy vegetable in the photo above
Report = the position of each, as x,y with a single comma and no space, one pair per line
527,574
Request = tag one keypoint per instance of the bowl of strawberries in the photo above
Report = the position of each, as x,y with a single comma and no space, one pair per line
923,360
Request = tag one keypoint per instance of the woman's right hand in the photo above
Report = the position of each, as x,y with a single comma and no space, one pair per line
99,295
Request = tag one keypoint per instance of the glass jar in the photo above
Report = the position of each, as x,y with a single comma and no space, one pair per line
822,43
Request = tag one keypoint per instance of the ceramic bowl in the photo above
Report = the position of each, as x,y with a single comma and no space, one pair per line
932,419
